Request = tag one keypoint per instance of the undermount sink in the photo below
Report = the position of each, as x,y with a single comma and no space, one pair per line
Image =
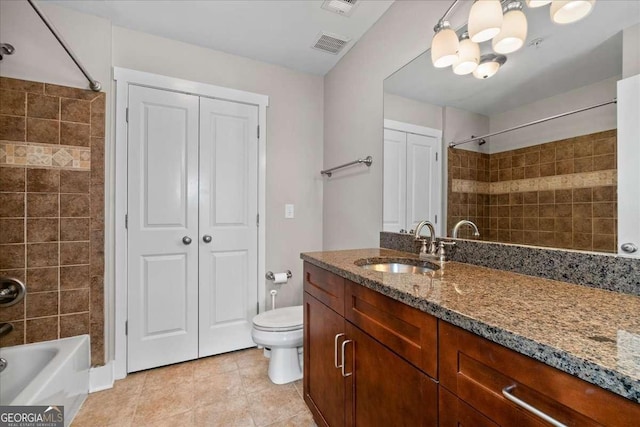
407,266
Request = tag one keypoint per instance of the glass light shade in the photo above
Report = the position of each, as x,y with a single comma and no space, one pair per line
486,70
568,11
468,57
537,3
485,20
444,48
513,33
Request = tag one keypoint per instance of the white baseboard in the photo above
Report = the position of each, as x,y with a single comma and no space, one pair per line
101,378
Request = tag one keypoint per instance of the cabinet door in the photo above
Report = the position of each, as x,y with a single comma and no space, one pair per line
324,389
384,389
454,412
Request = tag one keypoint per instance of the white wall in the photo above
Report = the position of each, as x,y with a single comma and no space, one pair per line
407,110
596,120
294,117
353,102
460,125
631,51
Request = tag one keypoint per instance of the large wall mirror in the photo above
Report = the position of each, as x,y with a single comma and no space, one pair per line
552,184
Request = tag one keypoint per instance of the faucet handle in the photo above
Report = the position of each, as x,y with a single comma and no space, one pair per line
444,243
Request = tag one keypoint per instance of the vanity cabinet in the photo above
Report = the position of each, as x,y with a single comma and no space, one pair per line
366,370
488,376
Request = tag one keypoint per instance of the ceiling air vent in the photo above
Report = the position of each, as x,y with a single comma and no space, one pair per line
331,43
341,7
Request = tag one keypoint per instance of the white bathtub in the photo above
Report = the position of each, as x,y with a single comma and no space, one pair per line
47,373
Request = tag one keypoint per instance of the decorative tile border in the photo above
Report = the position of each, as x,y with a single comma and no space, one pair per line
558,182
44,156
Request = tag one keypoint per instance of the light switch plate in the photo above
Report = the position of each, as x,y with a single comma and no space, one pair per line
288,211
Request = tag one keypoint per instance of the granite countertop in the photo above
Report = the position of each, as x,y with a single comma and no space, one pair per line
590,333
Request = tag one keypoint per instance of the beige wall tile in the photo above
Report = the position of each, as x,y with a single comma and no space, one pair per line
75,110
12,256
42,205
12,102
43,106
41,304
43,130
42,279
43,329
11,231
12,128
42,230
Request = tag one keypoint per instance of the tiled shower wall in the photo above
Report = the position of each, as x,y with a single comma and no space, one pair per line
52,211
560,194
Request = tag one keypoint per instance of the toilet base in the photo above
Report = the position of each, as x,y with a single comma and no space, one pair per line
284,365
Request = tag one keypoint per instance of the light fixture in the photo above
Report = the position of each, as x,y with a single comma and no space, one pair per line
444,46
537,3
468,56
568,11
485,20
489,65
514,29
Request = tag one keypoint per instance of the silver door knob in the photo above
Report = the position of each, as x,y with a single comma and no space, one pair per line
629,248
206,238
186,240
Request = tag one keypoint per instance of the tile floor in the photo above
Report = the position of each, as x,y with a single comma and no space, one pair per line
226,390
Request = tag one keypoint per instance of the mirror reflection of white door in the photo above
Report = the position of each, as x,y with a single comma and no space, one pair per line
412,176
192,173
628,161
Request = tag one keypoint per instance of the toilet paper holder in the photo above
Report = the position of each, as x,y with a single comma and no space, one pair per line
271,276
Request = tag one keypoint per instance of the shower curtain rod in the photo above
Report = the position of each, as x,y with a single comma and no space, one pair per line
535,122
93,84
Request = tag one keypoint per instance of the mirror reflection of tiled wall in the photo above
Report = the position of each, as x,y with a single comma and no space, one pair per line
52,210
559,194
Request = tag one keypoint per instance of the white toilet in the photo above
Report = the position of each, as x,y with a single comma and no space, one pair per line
281,331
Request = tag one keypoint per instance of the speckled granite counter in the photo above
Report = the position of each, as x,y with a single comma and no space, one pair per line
590,333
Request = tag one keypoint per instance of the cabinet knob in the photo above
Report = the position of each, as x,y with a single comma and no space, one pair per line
186,240
206,238
629,248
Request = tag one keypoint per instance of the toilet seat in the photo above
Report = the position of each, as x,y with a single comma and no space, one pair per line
279,320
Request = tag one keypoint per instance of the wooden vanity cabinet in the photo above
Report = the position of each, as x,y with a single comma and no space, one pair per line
375,380
477,371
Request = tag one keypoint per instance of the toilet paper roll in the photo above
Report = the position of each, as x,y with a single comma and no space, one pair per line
280,278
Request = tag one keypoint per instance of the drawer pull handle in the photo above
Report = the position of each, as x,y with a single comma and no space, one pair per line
335,351
506,392
345,374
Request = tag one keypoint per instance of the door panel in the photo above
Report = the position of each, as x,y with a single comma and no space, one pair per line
394,181
423,179
162,209
228,272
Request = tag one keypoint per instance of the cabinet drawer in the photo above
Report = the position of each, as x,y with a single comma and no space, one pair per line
407,331
478,370
325,286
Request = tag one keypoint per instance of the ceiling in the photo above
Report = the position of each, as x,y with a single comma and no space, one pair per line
570,56
276,31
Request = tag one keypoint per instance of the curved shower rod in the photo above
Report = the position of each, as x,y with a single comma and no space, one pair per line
93,84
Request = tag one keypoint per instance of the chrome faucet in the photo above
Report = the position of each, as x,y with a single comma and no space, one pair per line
428,250
5,328
454,233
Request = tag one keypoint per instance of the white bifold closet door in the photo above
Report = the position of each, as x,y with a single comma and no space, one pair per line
411,180
192,172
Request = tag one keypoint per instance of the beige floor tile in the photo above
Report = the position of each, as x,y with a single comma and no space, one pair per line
214,365
251,357
216,388
156,403
233,412
301,420
169,376
256,378
268,406
185,419
299,388
115,410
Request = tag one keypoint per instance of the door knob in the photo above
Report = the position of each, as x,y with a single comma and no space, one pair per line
628,248
186,240
206,238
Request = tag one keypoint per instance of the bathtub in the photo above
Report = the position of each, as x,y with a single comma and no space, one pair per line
47,373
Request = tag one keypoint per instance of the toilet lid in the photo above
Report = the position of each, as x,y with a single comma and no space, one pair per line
280,319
